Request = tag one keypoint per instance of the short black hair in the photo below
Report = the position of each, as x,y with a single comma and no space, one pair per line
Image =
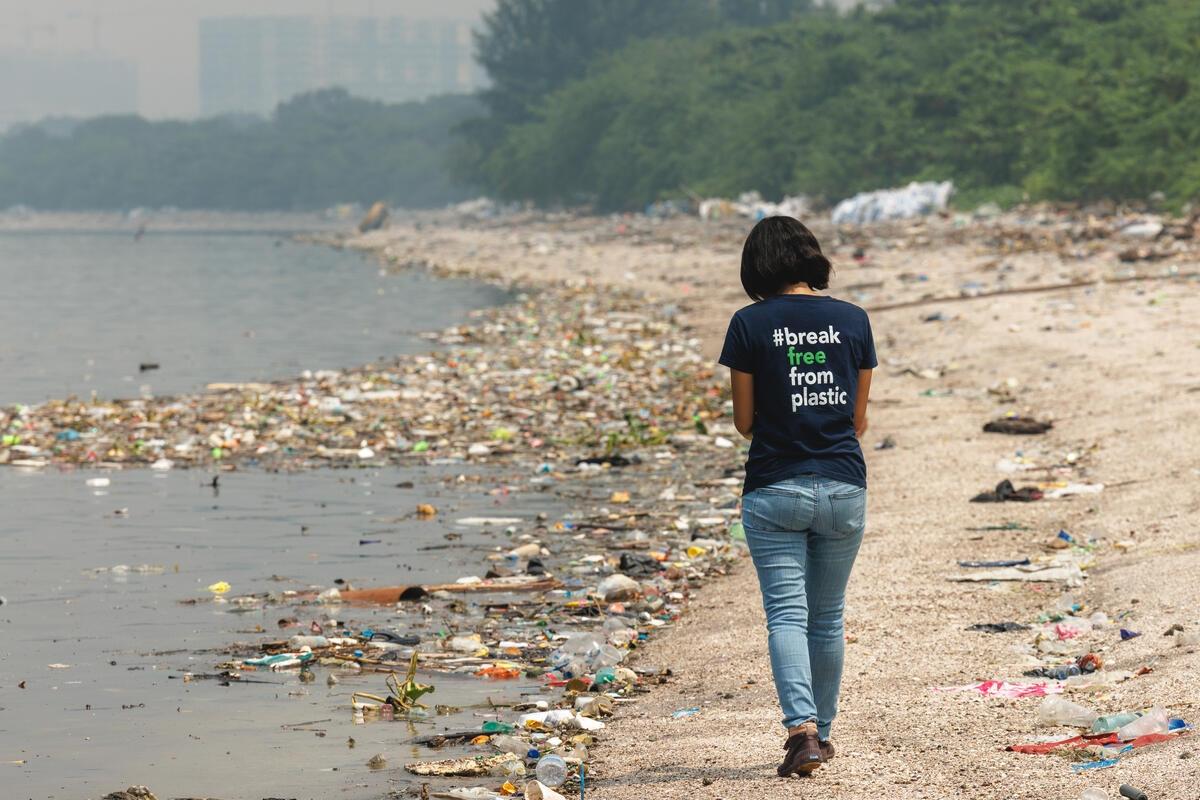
781,252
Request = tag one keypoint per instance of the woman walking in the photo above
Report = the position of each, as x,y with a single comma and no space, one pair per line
800,364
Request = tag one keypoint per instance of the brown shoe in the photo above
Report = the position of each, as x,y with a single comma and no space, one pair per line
826,750
803,755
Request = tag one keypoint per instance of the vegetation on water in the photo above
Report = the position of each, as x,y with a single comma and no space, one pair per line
318,149
618,103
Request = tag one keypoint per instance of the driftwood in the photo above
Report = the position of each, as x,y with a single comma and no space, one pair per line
394,594
1032,290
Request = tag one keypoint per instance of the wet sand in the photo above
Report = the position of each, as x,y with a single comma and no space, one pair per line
1114,366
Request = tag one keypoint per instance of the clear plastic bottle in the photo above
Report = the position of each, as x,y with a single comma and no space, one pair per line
1093,793
551,770
510,744
1156,720
1054,710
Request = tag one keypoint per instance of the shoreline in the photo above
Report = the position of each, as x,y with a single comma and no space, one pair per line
947,368
942,383
518,389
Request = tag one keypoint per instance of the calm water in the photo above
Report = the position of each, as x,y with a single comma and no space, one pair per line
118,712
84,311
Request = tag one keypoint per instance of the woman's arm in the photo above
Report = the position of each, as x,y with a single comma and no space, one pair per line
860,402
742,384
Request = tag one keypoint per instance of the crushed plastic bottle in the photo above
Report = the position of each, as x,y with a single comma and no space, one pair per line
1055,710
551,770
510,744
1156,720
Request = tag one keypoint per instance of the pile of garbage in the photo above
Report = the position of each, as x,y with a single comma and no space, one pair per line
564,605
751,205
524,382
913,200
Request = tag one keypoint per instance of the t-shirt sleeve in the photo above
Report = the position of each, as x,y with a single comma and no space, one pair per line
868,360
737,353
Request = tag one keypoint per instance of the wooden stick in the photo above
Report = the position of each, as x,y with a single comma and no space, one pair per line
1031,290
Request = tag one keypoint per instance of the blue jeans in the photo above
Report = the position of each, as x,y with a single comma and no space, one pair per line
804,534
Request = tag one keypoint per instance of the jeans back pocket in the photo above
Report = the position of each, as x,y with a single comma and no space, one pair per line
771,509
848,507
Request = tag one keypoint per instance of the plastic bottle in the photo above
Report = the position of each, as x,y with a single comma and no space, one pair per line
1061,673
299,640
1112,722
1094,793
1156,720
1055,710
551,770
510,744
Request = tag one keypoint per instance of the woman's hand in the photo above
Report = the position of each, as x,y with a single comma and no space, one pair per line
860,426
860,402
742,384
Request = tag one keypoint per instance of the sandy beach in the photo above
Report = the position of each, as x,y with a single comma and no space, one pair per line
1039,313
1113,365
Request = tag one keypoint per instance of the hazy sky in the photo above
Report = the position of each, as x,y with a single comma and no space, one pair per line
160,35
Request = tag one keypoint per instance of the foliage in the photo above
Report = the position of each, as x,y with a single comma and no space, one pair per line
318,149
530,48
1058,99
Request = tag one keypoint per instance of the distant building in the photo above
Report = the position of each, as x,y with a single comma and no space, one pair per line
253,64
35,85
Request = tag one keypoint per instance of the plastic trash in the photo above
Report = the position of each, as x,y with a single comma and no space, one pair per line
1092,793
536,790
499,764
1113,722
510,744
1098,681
551,770
1156,720
1058,711
1187,639
617,588
584,654
299,641
1142,230
913,200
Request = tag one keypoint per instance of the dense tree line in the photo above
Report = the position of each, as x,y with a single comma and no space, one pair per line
617,103
1059,99
316,150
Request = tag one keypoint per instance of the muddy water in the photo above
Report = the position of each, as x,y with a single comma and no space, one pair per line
85,311
118,712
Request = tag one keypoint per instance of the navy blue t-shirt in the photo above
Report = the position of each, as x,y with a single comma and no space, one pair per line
804,352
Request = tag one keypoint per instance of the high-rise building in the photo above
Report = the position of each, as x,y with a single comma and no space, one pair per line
253,64
35,85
